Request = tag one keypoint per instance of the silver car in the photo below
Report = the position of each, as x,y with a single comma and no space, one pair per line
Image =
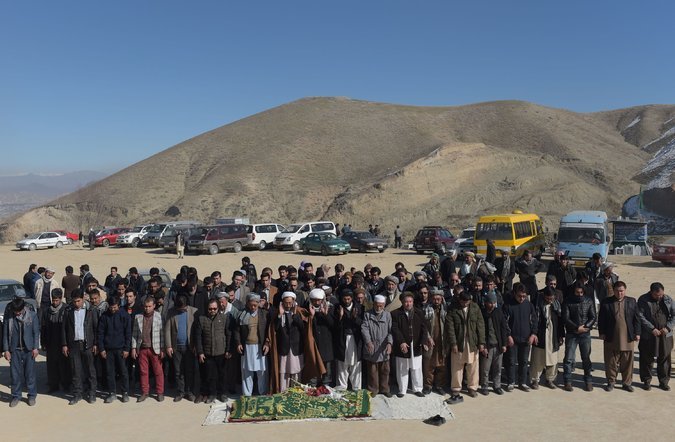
10,289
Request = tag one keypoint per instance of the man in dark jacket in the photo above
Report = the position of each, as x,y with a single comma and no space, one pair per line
411,338
528,267
347,317
550,335
251,341
657,315
51,323
322,323
137,282
180,345
211,342
112,280
521,317
564,273
465,337
290,333
619,327
78,341
506,271
21,330
579,317
496,338
114,344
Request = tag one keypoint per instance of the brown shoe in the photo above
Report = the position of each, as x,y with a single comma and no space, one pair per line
568,387
589,387
471,393
535,385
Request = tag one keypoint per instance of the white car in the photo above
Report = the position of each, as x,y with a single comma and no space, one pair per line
290,238
262,235
134,237
42,240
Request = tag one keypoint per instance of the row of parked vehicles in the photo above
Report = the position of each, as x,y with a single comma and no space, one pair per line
314,236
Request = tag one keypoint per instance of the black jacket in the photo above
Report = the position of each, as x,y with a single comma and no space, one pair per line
578,311
114,331
404,330
290,336
607,318
556,319
521,319
90,328
349,322
501,328
322,327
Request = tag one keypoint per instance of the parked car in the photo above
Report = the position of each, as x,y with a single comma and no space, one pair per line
325,242
262,235
433,239
133,237
168,239
72,237
465,241
108,237
364,241
9,289
42,240
665,253
213,239
291,236
145,274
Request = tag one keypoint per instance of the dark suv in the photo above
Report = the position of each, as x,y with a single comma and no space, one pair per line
433,239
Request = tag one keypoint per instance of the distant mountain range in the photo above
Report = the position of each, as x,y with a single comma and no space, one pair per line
360,162
19,193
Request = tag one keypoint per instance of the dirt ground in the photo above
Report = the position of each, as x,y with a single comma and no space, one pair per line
537,415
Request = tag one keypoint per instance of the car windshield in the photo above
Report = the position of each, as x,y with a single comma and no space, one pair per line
292,228
327,236
33,236
468,233
366,235
103,232
136,229
583,235
9,291
495,231
157,228
170,232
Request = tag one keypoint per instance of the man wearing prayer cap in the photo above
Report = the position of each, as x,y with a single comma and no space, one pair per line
250,339
290,329
377,346
43,289
321,324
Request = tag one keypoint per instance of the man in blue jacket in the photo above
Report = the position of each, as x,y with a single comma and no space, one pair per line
114,344
20,342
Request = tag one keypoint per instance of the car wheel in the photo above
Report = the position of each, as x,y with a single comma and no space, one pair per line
135,242
296,246
237,247
262,245
213,249
305,250
380,250
32,246
106,243
324,251
59,244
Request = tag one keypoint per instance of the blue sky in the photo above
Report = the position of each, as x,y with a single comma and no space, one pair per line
102,85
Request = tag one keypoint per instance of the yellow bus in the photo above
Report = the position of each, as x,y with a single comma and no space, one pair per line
514,232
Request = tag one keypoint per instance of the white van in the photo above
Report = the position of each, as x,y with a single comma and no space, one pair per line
290,238
262,235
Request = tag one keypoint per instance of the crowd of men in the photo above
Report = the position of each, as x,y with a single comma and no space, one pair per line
456,325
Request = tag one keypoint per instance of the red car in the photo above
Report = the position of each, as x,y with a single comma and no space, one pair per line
665,253
107,237
72,237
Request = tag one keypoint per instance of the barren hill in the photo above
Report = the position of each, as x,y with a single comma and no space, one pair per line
361,162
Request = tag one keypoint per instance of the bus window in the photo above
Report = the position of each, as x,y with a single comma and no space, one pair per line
494,231
522,229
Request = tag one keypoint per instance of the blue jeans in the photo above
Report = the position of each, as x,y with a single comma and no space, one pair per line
583,341
22,370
